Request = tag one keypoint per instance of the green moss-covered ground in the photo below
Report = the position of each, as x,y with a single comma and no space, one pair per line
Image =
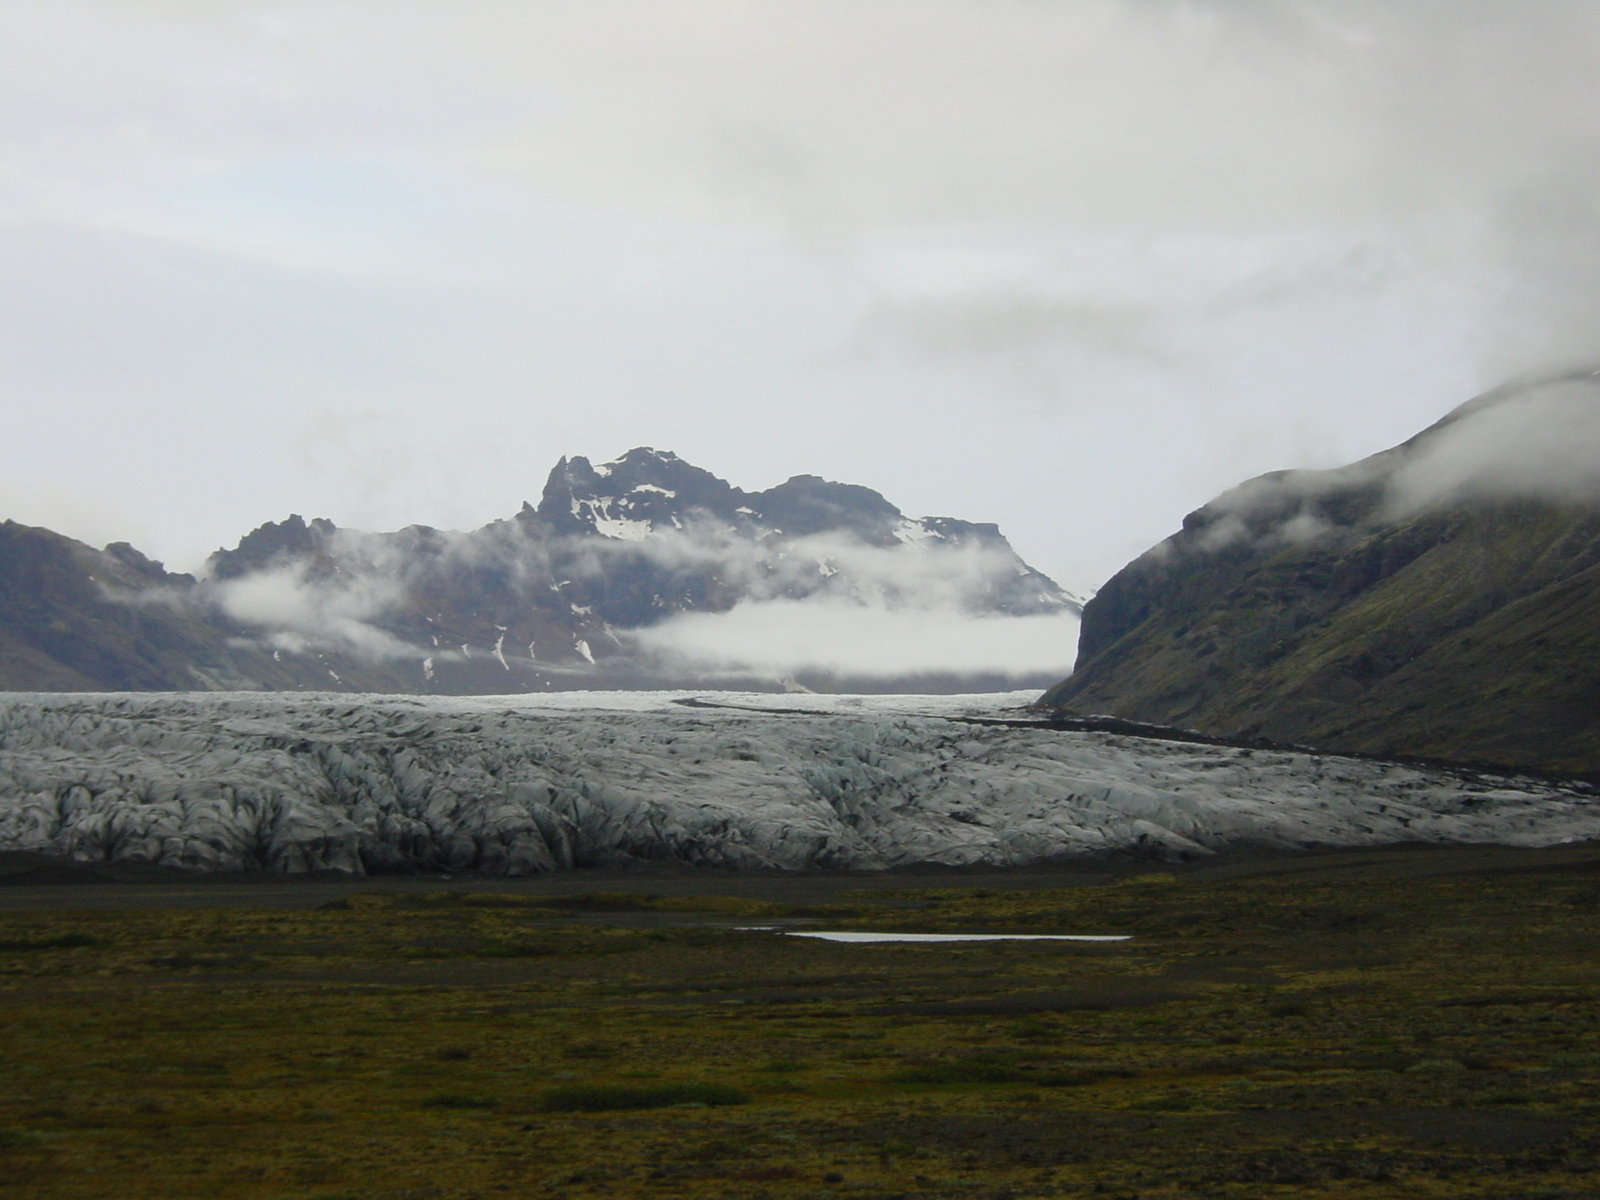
1417,1023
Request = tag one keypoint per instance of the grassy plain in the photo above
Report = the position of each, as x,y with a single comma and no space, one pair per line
1409,1022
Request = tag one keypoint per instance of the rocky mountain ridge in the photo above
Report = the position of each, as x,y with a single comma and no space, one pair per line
547,599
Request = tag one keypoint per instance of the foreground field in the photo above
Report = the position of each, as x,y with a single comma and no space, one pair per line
1416,1022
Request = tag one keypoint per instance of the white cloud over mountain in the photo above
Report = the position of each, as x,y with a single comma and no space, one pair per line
374,259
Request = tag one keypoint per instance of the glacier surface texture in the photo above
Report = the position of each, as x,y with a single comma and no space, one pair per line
527,784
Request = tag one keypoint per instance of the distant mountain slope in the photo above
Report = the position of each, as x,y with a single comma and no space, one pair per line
72,617
1439,599
544,599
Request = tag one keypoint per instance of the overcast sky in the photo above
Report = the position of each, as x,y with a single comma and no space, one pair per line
1070,266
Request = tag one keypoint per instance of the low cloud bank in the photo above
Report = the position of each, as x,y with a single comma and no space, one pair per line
921,571
299,614
789,637
1540,443
658,594
1535,441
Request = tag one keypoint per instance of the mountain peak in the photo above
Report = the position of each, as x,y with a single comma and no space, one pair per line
630,496
572,591
271,545
808,504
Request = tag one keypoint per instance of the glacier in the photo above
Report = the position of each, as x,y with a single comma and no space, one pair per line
519,785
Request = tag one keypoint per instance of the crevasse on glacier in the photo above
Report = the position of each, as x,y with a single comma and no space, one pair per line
519,785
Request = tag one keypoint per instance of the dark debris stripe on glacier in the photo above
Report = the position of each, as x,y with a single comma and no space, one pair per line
520,785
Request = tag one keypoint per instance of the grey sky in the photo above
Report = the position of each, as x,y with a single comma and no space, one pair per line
1072,267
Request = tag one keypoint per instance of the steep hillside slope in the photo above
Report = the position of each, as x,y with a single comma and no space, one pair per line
1440,599
72,617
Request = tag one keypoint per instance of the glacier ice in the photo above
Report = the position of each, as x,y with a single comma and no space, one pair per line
517,785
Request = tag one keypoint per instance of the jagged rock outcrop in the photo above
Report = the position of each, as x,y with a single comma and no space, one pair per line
1439,599
529,784
294,542
544,600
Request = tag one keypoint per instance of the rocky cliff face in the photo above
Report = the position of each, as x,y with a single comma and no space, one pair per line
546,599
1441,598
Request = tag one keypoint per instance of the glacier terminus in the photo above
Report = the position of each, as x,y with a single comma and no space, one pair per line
519,785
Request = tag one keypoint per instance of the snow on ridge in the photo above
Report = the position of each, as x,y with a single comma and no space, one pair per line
600,514
516,785
622,529
910,533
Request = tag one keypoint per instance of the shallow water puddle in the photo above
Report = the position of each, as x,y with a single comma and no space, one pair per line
848,936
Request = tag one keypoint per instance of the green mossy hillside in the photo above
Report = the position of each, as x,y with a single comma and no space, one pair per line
1468,631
